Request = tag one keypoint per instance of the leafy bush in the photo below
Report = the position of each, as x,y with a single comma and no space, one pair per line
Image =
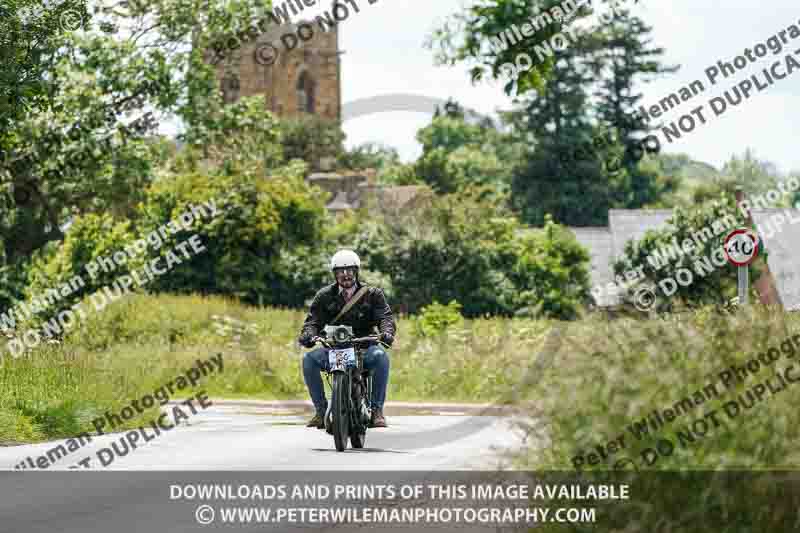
88,238
398,174
611,377
258,221
458,154
310,138
300,273
143,341
466,247
612,374
550,271
447,251
369,155
16,427
436,318
661,253
13,280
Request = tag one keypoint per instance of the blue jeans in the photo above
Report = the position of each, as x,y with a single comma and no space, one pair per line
376,359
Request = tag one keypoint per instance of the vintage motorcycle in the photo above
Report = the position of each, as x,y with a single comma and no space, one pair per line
348,413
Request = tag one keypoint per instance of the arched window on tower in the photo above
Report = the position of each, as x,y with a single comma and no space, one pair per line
305,93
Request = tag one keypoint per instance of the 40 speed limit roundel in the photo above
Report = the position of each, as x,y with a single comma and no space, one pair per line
741,247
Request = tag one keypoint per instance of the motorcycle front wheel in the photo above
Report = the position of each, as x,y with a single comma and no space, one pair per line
359,437
340,417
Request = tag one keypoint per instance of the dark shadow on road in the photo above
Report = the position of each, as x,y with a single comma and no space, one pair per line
355,450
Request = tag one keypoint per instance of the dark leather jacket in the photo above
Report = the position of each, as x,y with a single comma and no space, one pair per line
369,312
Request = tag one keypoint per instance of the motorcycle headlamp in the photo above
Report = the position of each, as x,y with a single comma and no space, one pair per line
341,334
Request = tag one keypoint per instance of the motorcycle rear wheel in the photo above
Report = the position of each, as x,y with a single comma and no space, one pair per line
340,417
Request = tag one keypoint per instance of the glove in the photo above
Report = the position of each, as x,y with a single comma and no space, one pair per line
387,338
307,340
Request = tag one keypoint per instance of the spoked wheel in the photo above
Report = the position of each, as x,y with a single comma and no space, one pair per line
359,436
340,417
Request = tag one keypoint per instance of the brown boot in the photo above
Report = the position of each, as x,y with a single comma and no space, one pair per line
316,422
378,421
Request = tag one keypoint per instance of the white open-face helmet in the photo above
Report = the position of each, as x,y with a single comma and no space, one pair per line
344,259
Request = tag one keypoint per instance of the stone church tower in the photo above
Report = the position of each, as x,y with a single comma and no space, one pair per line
304,79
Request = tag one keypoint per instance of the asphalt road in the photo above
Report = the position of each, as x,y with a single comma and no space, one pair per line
244,443
268,436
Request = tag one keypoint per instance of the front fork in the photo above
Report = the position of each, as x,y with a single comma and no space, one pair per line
356,380
328,420
363,409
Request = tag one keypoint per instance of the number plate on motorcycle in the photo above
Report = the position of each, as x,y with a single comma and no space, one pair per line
341,359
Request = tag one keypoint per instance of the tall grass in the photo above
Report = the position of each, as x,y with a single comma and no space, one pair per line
141,342
610,374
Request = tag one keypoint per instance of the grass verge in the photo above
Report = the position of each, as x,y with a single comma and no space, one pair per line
141,342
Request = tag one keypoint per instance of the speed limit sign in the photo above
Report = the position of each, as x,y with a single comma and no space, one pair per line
741,247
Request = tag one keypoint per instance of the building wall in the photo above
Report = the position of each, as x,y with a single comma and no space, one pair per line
240,74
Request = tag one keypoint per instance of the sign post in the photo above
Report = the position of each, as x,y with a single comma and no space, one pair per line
741,249
744,282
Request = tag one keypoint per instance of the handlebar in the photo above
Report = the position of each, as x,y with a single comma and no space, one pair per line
368,338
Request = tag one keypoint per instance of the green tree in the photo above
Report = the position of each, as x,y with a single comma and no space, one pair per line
683,181
457,153
575,193
88,238
620,54
13,280
755,176
312,139
555,120
84,103
399,174
369,155
259,220
552,179
31,35
550,272
476,36
660,254
696,182
467,247
384,160
243,137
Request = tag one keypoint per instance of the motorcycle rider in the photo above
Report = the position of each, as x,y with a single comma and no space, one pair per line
369,312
